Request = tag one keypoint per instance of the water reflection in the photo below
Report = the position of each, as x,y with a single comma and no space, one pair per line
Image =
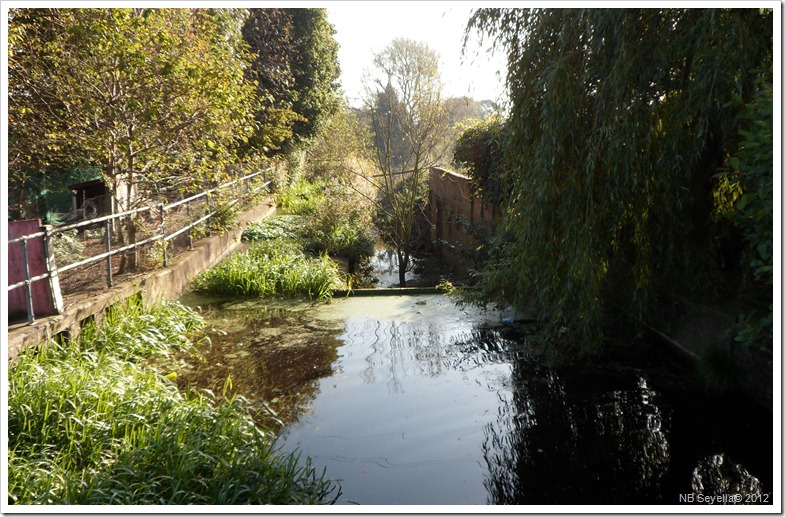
274,357
718,476
560,443
384,266
410,400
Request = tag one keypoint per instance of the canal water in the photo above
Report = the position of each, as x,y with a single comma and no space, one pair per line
413,400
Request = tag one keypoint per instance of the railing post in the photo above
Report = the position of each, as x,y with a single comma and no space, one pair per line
209,215
190,228
108,235
51,268
163,233
28,288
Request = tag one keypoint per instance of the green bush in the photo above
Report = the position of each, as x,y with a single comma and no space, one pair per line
279,227
334,219
301,197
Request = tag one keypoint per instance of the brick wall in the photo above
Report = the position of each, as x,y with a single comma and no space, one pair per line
453,210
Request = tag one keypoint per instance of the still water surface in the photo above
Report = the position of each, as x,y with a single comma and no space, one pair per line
412,400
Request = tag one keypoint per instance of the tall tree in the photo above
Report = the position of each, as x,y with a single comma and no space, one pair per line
269,34
295,65
316,71
410,123
619,122
151,96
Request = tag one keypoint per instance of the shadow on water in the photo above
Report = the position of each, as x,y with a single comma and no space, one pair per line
272,353
616,432
411,400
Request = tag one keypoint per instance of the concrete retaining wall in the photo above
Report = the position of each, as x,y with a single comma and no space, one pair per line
699,330
153,287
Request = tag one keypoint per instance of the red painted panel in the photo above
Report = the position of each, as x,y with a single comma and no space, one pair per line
42,297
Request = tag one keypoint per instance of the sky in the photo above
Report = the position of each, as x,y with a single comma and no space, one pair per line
365,28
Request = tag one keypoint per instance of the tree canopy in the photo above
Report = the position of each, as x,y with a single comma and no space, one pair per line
163,97
155,95
295,66
620,121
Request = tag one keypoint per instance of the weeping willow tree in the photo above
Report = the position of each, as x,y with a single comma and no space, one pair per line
620,122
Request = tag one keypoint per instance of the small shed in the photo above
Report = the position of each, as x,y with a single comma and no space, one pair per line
89,190
100,196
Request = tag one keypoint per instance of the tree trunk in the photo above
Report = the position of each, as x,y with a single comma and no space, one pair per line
403,265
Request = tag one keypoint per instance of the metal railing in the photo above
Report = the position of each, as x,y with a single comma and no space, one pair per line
243,183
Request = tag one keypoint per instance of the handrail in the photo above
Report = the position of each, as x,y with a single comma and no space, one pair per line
163,236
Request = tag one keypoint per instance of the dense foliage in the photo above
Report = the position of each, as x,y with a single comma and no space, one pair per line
750,182
148,95
295,66
619,122
92,422
478,150
161,100
337,219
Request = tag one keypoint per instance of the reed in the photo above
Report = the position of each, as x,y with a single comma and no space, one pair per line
272,267
90,423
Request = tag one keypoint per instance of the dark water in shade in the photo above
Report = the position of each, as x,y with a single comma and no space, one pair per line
410,400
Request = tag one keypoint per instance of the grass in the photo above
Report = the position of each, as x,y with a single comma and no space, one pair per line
269,268
90,423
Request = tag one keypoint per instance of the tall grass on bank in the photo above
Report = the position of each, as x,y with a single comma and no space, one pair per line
272,267
87,425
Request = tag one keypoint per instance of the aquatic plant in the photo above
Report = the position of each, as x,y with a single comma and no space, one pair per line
87,425
272,267
278,227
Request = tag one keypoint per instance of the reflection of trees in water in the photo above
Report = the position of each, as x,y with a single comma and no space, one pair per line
717,475
278,371
579,445
399,349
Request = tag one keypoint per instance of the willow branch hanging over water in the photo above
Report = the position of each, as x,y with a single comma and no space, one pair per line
619,122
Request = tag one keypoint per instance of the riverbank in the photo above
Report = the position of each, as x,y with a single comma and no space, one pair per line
154,286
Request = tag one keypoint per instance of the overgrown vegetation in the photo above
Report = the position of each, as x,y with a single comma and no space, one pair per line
619,122
337,219
67,248
751,178
179,99
269,268
94,422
